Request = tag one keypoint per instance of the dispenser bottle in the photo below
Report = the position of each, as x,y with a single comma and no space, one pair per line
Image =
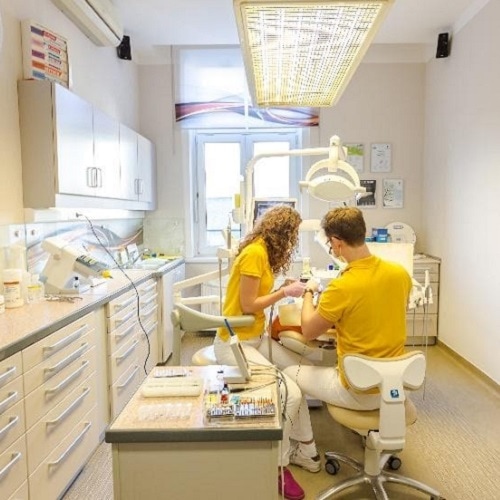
12,288
36,290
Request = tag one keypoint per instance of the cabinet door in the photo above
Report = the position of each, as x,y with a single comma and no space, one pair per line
145,183
128,162
75,143
106,155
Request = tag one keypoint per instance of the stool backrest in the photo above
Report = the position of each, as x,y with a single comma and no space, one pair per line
391,376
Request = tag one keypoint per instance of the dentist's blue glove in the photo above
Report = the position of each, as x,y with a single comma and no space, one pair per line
295,289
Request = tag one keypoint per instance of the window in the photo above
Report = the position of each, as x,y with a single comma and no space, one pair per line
220,164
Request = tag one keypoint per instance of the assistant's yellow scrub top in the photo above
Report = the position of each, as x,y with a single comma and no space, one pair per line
252,261
367,305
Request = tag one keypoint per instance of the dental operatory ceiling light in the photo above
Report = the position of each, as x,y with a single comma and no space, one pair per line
303,53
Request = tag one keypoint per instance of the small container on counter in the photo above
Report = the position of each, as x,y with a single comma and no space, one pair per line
2,304
12,288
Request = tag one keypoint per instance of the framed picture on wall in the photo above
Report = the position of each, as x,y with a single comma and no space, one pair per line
368,199
381,157
45,54
356,156
393,196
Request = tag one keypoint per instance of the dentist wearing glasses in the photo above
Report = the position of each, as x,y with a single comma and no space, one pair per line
366,304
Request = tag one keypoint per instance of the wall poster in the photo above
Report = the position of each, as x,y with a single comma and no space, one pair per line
45,54
381,157
367,200
393,193
355,156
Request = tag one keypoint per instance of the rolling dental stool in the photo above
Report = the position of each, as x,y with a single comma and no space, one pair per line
384,429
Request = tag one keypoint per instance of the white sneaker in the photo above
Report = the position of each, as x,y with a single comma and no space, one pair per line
298,458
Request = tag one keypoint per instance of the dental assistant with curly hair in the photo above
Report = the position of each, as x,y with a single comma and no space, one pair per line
263,254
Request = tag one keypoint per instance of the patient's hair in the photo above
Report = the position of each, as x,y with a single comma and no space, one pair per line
345,223
279,228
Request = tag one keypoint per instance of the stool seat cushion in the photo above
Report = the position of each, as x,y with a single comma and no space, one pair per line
204,357
367,420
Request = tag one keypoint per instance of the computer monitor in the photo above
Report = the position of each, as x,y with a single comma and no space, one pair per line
260,205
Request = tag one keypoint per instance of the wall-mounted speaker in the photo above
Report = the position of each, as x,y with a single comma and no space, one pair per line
443,45
123,50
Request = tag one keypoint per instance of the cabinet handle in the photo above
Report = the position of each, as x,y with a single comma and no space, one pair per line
14,458
10,371
69,409
8,400
140,186
67,360
12,422
127,353
90,171
126,333
153,327
99,177
68,379
146,302
124,304
149,312
88,425
129,379
66,340
119,321
147,289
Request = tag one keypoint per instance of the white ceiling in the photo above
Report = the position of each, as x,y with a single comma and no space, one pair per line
156,23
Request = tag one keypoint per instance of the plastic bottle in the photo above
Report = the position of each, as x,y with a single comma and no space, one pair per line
306,273
76,284
36,290
12,288
2,304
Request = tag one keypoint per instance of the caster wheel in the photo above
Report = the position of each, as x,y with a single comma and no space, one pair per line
332,466
394,463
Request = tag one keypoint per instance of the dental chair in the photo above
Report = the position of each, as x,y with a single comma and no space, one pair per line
187,319
384,429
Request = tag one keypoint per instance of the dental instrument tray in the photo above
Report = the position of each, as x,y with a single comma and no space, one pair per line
176,386
238,408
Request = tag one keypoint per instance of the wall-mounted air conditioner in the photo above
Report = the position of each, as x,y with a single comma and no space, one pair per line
98,19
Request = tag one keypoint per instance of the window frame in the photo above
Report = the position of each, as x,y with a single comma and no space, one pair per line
246,139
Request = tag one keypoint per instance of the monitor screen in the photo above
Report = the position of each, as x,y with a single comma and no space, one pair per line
260,205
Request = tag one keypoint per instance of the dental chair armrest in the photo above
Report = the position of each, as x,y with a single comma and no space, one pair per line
192,320
297,343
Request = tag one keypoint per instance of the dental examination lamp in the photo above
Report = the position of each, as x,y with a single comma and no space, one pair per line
340,183
64,263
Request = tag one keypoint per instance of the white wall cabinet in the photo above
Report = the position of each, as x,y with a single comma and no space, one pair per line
74,155
137,157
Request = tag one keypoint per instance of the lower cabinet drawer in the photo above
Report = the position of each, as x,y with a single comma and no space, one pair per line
60,467
22,493
11,425
123,358
124,388
55,425
13,468
52,392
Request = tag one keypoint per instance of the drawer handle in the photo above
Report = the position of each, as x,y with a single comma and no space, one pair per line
124,304
67,360
10,371
8,400
66,340
78,438
14,458
119,321
129,379
152,328
69,409
120,336
68,379
146,302
12,422
149,311
127,353
147,289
